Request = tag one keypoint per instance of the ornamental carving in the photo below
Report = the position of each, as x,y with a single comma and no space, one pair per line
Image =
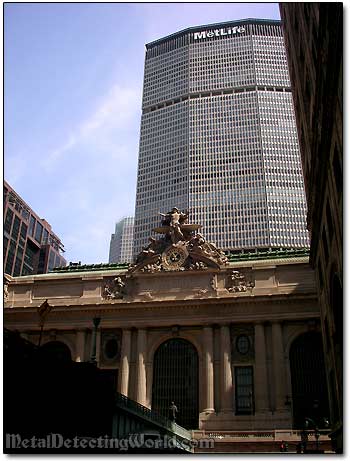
114,289
6,288
239,282
179,248
6,291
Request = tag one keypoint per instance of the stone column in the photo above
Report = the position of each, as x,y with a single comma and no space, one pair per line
141,367
149,383
98,346
278,366
226,371
261,393
80,346
125,354
208,366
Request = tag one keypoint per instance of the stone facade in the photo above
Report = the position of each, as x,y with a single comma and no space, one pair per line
273,303
313,35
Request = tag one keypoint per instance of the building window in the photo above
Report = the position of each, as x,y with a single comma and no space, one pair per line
24,229
31,226
17,267
15,228
111,349
243,344
8,221
52,260
41,264
6,241
45,237
38,232
244,390
10,258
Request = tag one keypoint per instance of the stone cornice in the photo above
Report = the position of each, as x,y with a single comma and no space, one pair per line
120,305
165,314
99,275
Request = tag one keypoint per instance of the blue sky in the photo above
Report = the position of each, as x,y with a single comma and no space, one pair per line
73,88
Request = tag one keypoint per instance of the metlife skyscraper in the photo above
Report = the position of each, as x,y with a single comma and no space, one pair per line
219,138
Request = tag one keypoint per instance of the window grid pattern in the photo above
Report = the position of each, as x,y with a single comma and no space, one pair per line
286,201
221,64
166,77
269,53
244,390
218,137
162,178
227,184
121,247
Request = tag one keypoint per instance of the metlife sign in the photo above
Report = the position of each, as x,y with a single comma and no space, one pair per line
219,32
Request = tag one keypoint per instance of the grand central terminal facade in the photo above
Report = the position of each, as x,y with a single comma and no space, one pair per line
234,341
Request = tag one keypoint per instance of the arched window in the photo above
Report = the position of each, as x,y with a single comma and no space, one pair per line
56,351
175,379
309,386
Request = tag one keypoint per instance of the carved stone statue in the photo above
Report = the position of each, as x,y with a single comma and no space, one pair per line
114,289
180,247
6,291
174,219
238,283
174,226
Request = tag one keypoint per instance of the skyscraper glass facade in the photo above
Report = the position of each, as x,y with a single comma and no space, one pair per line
218,137
120,250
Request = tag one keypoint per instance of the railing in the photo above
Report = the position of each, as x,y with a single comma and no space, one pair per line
276,435
141,410
152,415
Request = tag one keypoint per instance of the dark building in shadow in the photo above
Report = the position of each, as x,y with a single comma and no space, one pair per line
314,41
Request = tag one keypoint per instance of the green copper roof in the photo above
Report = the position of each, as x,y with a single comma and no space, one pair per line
269,254
244,256
89,267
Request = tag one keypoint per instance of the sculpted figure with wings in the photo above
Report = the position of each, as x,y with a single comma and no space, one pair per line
174,224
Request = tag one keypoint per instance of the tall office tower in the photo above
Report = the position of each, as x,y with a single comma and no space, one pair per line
120,250
30,246
218,137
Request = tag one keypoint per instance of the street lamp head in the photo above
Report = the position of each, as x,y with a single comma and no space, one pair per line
325,422
96,321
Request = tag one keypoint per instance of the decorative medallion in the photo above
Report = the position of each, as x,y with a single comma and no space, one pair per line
242,342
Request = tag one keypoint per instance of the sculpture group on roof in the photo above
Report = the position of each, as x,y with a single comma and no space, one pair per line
180,247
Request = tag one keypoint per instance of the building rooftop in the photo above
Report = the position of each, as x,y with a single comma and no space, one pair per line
217,24
232,258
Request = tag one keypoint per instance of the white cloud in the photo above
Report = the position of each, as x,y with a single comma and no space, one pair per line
114,114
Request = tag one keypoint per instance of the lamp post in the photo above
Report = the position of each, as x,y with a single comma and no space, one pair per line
96,322
317,436
304,433
304,437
